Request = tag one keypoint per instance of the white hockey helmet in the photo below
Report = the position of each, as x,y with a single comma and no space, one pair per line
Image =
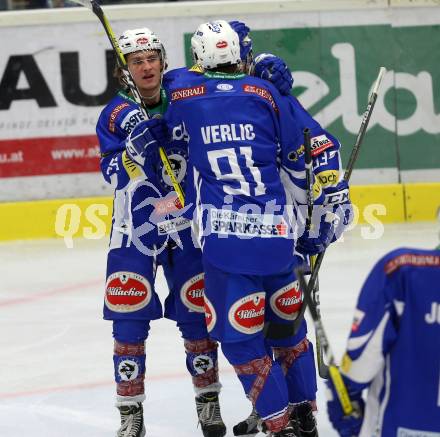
215,44
134,40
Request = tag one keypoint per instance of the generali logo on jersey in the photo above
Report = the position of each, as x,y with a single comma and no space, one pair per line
247,314
287,301
184,93
114,114
192,293
210,315
127,292
262,93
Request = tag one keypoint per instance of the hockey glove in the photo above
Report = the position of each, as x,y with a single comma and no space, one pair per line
245,41
145,139
315,240
275,70
338,198
347,426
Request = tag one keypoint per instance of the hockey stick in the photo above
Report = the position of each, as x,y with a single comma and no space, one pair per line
309,176
323,370
97,10
353,157
334,373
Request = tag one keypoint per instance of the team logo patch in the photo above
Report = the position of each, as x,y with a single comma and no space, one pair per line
287,301
177,158
320,143
127,292
128,370
210,315
185,93
114,114
262,93
192,293
202,363
247,314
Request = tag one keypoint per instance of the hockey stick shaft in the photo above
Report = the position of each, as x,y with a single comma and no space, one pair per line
99,12
353,157
309,176
334,373
308,289
322,367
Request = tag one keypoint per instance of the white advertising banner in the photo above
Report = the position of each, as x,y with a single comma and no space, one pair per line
55,77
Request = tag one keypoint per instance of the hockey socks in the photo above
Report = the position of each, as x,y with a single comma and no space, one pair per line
262,379
202,364
129,364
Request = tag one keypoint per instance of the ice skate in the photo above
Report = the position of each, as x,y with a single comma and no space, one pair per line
249,426
210,419
132,420
304,421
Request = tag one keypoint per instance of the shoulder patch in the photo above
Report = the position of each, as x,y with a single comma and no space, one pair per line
262,92
411,259
196,68
116,110
320,143
185,93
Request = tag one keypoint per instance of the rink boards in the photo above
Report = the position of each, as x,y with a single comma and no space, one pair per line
91,217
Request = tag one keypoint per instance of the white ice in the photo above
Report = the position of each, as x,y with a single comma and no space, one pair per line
56,371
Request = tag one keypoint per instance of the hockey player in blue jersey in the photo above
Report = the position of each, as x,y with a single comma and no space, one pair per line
139,242
393,350
235,129
301,372
144,210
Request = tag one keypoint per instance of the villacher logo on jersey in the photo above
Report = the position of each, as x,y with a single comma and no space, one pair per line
210,314
287,301
127,292
192,293
247,314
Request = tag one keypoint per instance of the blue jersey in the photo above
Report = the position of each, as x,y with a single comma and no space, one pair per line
394,345
235,136
145,209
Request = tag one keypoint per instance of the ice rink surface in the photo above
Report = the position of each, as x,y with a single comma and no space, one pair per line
56,352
